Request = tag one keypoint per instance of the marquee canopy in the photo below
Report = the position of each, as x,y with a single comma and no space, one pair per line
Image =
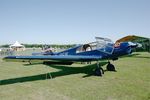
16,44
133,38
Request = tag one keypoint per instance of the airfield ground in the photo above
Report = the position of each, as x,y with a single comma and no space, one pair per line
21,81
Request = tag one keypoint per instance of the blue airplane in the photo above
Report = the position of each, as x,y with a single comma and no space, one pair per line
102,49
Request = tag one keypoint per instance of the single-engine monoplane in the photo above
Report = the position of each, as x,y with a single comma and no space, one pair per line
101,49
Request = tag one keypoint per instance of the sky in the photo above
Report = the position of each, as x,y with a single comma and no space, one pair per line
72,21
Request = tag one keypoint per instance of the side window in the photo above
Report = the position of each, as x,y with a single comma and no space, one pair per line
83,48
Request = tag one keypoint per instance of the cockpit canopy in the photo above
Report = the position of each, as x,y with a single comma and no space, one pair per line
101,44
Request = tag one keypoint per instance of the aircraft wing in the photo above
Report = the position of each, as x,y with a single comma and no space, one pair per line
73,58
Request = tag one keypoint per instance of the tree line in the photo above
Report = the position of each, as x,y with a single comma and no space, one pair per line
42,45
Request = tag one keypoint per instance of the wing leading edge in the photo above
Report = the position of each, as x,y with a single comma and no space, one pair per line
54,58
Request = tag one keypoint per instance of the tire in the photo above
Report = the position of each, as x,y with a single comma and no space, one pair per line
98,72
110,67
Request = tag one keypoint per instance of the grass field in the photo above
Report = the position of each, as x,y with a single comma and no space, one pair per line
21,81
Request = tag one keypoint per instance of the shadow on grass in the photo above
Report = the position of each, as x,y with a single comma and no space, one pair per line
63,71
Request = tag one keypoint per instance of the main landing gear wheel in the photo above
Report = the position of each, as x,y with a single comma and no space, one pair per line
98,71
110,67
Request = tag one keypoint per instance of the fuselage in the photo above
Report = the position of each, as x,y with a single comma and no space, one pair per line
108,52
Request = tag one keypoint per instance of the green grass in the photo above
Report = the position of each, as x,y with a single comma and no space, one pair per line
20,81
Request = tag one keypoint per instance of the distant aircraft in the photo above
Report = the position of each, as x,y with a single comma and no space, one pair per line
102,49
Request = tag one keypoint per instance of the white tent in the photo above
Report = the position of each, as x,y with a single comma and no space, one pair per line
17,46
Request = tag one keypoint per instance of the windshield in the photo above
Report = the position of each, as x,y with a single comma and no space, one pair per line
102,44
